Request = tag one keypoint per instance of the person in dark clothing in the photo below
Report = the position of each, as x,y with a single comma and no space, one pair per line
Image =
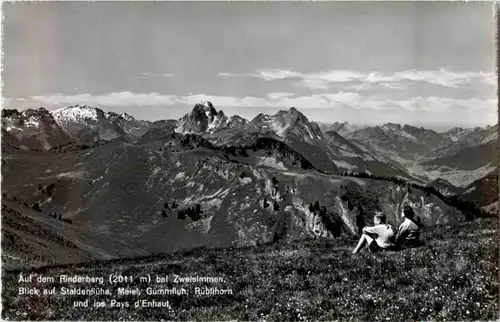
408,234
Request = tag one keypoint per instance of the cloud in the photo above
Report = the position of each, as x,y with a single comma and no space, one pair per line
111,99
357,80
443,77
6,101
437,105
270,75
340,100
146,74
228,74
279,95
313,84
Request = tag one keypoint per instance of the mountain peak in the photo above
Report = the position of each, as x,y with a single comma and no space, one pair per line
293,113
262,117
33,128
205,105
236,121
206,108
392,126
237,118
127,116
286,122
78,106
75,113
10,112
204,118
38,112
208,104
342,128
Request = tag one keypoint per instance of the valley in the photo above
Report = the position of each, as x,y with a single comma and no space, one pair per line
217,181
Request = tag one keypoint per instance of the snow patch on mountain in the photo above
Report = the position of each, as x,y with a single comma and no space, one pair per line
271,162
345,165
221,193
278,128
218,121
285,123
245,181
470,190
180,176
408,136
72,174
345,153
10,128
127,117
75,114
457,133
491,137
32,122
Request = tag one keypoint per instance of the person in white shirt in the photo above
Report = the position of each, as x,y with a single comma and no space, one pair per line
409,231
379,237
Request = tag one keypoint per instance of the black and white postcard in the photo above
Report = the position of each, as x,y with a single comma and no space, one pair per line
254,161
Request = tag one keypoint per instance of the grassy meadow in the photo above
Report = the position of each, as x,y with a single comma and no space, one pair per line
454,276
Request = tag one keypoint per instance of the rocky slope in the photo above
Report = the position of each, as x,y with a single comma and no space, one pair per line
483,191
398,142
464,138
463,167
342,128
32,129
87,124
131,126
327,151
31,239
459,155
126,192
443,186
416,144
469,158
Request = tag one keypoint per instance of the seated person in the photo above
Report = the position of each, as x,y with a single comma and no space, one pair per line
409,231
378,237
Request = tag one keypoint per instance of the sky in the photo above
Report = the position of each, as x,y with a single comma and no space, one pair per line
419,63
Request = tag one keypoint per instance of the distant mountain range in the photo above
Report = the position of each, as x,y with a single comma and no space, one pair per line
210,179
459,155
